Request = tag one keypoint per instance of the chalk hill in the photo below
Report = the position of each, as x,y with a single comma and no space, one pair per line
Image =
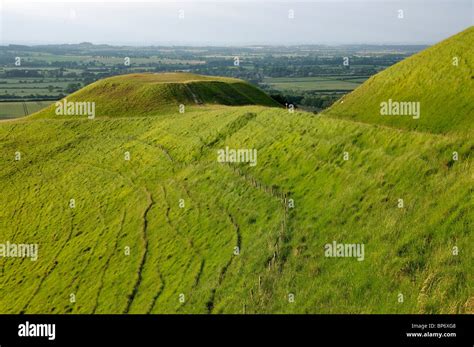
158,93
441,78
159,225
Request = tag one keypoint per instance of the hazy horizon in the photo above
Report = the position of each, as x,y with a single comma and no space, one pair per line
232,23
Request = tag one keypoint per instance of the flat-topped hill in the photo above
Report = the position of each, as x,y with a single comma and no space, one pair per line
156,93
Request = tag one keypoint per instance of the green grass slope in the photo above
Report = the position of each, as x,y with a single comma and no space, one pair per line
158,93
444,90
173,230
190,250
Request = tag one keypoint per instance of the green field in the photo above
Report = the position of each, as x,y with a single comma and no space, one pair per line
340,83
173,230
105,60
34,88
18,109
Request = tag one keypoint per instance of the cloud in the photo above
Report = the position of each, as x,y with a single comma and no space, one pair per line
232,22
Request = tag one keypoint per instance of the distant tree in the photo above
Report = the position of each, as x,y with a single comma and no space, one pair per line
88,80
72,87
279,98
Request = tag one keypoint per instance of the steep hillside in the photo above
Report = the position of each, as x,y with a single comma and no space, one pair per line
440,78
141,215
156,94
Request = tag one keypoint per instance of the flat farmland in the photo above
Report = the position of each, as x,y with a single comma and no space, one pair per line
18,109
314,83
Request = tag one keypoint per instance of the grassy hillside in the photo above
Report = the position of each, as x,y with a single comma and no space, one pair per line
190,250
443,89
172,230
156,94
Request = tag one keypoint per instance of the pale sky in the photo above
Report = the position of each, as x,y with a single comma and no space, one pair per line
241,22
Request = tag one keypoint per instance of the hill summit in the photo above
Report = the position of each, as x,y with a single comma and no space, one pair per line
429,91
158,93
